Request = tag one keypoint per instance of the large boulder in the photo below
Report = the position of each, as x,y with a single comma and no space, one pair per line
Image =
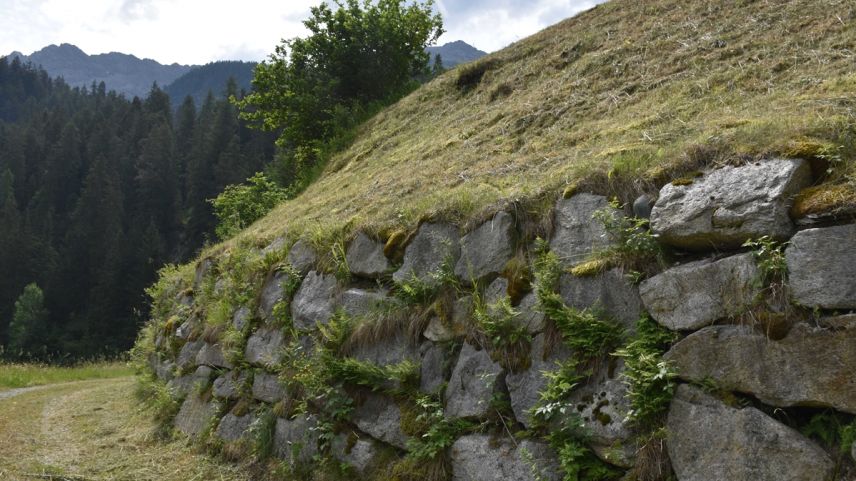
696,294
358,452
478,457
610,291
230,384
184,385
296,440
194,415
577,234
709,441
272,292
432,367
380,417
486,250
264,347
808,367
530,317
241,318
267,388
432,246
524,387
187,355
474,382
365,257
212,355
233,428
315,301
603,406
728,206
362,302
386,351
821,267
302,257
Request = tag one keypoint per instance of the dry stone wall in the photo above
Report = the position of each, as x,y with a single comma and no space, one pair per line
443,346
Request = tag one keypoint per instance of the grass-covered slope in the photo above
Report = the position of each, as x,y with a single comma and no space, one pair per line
618,99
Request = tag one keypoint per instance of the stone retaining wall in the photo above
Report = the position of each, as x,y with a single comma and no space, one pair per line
768,356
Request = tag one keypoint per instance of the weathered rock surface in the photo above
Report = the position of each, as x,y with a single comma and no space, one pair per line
523,387
194,415
184,385
696,294
728,206
432,245
486,250
822,267
187,355
315,301
212,355
474,381
296,440
272,293
438,331
809,367
264,347
577,234
233,428
267,388
164,368
362,302
229,385
387,351
365,257
709,441
432,374
241,318
302,257
530,317
610,291
603,406
203,268
380,417
359,453
477,457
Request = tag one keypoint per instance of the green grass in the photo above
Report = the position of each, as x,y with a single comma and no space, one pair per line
26,375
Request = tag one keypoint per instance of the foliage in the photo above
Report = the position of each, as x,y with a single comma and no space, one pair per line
240,205
356,56
650,380
29,323
633,245
97,192
506,336
832,429
423,290
157,398
770,257
441,432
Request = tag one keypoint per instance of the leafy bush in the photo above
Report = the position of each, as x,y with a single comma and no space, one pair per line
238,206
508,338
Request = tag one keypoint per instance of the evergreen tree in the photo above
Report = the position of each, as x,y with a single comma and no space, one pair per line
28,329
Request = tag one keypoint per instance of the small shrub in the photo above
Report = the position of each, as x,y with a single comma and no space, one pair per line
470,76
440,434
157,399
770,257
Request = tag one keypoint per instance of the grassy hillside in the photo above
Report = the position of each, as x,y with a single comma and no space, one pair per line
618,99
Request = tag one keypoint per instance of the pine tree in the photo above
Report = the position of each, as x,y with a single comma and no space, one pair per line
28,329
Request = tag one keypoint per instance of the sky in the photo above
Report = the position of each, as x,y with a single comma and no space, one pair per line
201,31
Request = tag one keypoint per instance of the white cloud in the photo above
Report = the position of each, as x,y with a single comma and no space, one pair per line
200,31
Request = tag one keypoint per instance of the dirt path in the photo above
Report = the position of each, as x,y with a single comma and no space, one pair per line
92,431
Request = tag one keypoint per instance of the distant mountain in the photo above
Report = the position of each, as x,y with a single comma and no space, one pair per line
121,72
210,77
455,53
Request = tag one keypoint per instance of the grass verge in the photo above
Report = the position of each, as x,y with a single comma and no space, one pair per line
15,375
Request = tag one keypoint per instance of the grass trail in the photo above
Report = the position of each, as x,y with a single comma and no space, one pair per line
93,430
27,375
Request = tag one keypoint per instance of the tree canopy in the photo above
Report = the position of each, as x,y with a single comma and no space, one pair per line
358,55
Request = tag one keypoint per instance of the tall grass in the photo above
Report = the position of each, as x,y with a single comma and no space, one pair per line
16,375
